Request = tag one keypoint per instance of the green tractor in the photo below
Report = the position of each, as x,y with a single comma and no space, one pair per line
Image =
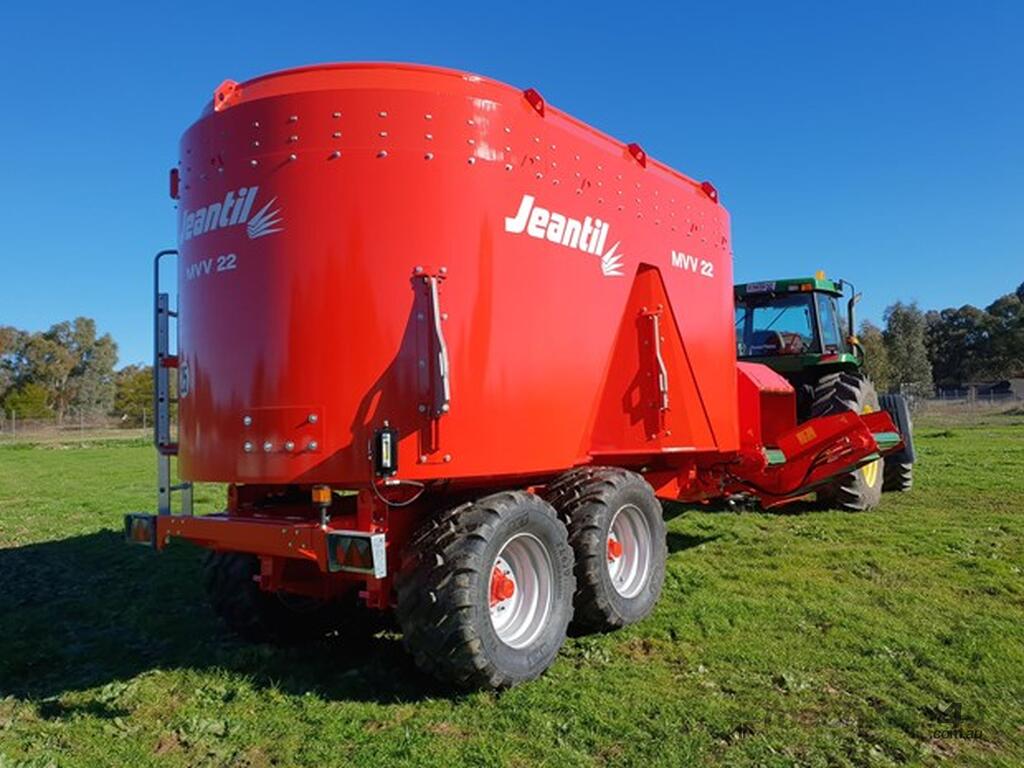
794,327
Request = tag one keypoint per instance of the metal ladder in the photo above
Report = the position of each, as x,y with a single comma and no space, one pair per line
163,362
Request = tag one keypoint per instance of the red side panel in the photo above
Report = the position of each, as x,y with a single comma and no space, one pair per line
649,403
767,405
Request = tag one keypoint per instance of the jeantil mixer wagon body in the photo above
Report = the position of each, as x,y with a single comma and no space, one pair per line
504,332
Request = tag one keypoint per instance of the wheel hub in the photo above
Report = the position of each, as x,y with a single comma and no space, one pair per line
503,586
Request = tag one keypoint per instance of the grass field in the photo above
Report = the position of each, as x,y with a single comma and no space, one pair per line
817,638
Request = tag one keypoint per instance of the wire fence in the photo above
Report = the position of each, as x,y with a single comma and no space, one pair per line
953,406
71,428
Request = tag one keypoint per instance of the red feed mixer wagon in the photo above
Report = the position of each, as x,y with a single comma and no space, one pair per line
447,347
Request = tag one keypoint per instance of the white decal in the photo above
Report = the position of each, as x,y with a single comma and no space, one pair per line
233,210
690,263
588,235
204,267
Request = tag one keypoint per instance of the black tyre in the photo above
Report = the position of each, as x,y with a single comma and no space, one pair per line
860,489
259,616
899,466
485,591
617,533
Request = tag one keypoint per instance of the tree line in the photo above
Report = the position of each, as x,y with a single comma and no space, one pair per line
69,370
920,350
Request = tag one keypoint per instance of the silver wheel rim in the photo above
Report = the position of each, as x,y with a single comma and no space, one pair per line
629,551
520,612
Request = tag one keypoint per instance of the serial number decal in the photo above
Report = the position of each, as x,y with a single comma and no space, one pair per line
212,265
690,263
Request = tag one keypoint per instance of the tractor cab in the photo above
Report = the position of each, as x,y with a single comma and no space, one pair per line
796,324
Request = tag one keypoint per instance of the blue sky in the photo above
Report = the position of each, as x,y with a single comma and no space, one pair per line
882,141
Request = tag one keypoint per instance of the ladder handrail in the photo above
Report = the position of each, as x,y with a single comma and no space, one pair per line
162,313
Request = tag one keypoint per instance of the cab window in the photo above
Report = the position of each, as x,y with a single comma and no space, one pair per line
829,323
781,325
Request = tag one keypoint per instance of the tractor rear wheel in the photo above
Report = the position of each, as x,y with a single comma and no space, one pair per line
860,489
259,616
899,466
485,591
617,532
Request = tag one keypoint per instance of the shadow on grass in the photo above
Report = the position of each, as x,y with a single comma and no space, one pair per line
91,610
679,542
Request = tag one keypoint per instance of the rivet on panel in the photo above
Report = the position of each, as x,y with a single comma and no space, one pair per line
443,270
383,153
289,446
335,154
422,408
336,115
336,135
507,129
255,143
423,458
540,175
382,113
383,134
254,162
256,124
293,157
268,447
293,137
247,447
312,418
508,166
428,156
312,446
247,421
293,118
447,457
470,141
428,116
472,161
428,136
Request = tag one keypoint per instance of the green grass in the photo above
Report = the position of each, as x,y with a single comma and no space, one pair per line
817,638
